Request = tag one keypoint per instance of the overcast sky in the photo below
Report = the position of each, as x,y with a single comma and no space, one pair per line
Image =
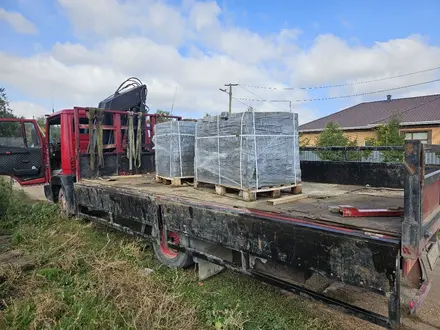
76,52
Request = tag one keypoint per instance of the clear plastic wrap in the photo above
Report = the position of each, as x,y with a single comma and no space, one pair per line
174,143
248,150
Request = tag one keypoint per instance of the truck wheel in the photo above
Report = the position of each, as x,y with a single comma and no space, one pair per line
169,256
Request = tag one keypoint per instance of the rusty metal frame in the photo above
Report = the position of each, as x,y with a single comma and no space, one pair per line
390,322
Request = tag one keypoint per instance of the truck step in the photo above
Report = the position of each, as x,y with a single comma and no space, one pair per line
249,195
176,181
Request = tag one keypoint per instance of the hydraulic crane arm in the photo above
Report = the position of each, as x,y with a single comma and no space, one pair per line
131,95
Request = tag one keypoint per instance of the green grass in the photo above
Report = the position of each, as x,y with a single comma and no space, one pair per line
89,277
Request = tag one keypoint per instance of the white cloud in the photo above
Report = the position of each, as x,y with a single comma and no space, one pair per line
331,59
18,22
28,109
204,15
113,18
189,47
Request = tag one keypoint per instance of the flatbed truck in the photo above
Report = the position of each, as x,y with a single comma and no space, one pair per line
352,227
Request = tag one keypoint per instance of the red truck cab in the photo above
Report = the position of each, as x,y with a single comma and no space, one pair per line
54,158
24,151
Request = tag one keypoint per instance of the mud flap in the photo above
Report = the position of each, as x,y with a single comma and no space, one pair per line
48,193
428,259
208,269
67,182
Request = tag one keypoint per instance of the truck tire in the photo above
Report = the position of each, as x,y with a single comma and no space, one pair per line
170,257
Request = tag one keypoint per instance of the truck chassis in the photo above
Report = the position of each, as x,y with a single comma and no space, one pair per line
373,241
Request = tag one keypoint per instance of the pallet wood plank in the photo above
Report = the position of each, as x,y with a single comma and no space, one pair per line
176,182
286,199
250,195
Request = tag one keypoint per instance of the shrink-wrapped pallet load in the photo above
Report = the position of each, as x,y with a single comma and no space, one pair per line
174,147
248,151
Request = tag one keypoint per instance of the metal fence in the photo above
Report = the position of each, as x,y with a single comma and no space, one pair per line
375,156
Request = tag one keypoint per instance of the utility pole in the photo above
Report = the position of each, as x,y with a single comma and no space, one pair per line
229,93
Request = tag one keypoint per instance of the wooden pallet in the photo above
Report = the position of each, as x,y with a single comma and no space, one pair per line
177,181
252,194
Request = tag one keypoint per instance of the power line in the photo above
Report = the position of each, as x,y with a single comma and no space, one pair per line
271,101
342,85
347,96
238,100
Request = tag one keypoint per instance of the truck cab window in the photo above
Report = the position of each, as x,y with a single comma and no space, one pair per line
11,134
54,136
55,133
32,139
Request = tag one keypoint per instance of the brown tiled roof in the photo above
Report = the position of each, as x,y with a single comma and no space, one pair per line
411,110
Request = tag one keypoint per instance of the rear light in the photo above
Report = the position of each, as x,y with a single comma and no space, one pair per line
412,305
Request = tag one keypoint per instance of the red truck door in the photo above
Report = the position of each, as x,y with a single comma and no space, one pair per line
22,151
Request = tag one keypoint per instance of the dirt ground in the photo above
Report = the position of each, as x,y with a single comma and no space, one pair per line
428,316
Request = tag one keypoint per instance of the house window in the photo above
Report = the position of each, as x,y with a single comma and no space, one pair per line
422,136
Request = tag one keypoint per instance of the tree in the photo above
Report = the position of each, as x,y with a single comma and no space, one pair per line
41,121
9,132
333,136
161,116
5,110
389,135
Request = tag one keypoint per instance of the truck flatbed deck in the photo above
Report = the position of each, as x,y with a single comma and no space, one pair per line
283,244
321,196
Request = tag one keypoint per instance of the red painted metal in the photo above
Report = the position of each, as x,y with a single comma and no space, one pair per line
407,265
420,296
45,152
431,199
166,250
73,142
412,271
118,127
67,144
149,131
348,211
104,127
430,231
77,144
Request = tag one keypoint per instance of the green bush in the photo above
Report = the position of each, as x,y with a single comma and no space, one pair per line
333,136
389,135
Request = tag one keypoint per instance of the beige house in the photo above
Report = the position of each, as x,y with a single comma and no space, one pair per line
420,119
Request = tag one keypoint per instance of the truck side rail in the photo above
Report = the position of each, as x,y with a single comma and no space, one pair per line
346,165
419,243
422,200
117,149
353,148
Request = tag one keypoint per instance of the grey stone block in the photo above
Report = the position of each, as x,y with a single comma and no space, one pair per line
248,150
174,146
